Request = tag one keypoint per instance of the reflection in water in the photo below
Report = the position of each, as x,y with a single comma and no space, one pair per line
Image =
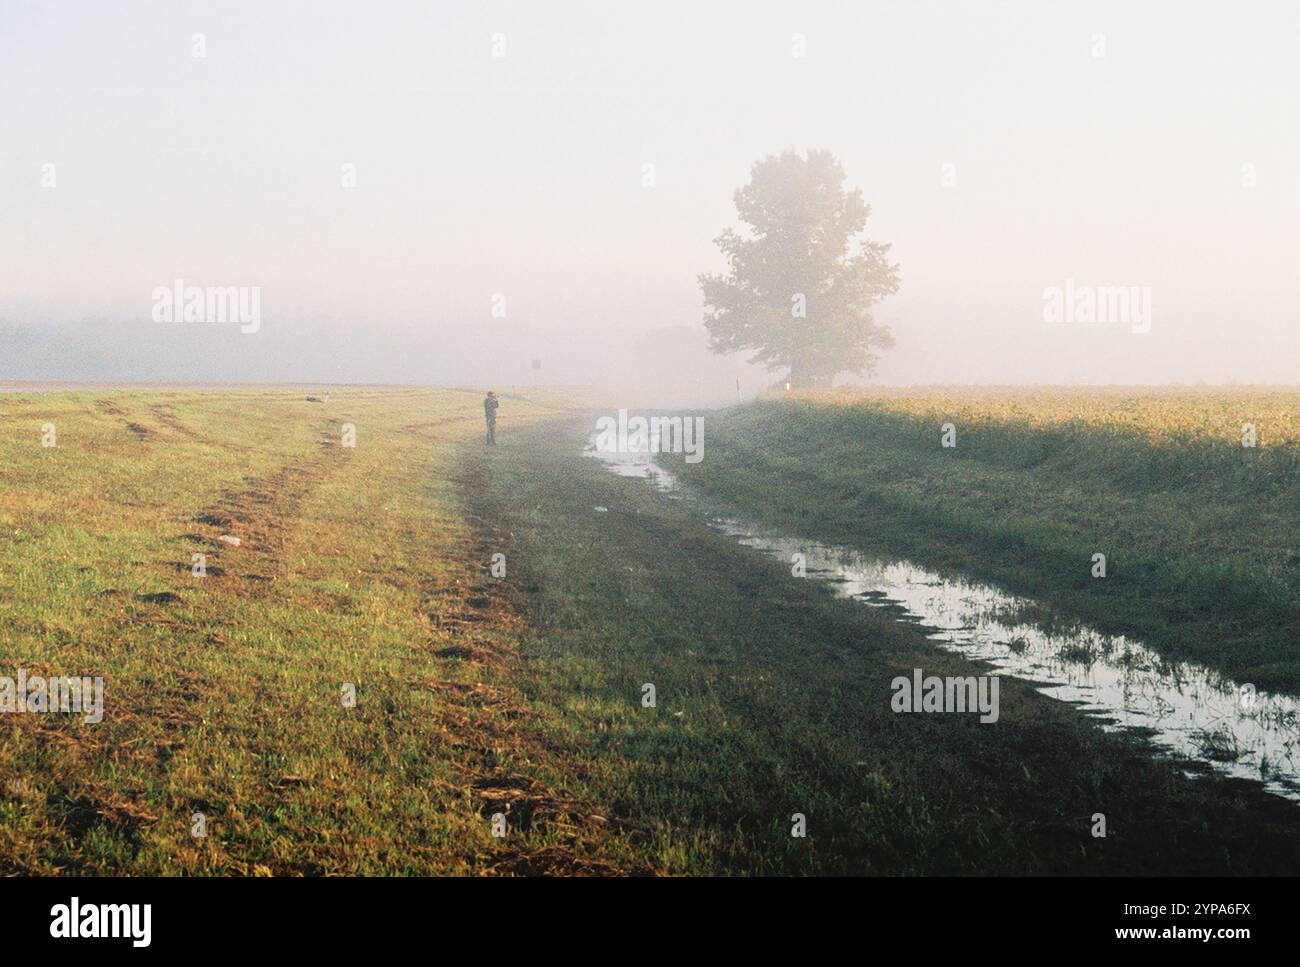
1185,710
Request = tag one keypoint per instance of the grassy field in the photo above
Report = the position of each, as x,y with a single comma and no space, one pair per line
1201,535
478,694
224,693
773,698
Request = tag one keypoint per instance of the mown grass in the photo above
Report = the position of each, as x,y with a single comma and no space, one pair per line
223,693
773,699
1201,535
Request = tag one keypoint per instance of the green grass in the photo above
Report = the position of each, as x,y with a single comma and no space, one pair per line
479,695
357,566
1201,536
773,698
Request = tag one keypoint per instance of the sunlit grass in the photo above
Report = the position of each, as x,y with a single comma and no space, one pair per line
1201,535
224,692
476,695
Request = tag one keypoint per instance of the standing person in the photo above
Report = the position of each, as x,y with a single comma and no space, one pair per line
490,404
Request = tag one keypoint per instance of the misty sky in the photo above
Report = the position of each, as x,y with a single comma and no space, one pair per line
522,175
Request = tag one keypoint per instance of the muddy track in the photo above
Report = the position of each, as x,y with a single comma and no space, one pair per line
428,429
163,413
136,429
165,419
259,514
473,617
486,718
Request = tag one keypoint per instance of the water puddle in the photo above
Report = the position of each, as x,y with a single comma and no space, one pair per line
1184,710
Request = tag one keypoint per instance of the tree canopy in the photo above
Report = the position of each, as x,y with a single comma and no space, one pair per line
801,284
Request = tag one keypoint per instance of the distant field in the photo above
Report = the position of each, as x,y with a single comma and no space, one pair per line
1161,417
1201,534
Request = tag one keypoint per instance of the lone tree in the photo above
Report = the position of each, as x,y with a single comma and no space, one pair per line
801,286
